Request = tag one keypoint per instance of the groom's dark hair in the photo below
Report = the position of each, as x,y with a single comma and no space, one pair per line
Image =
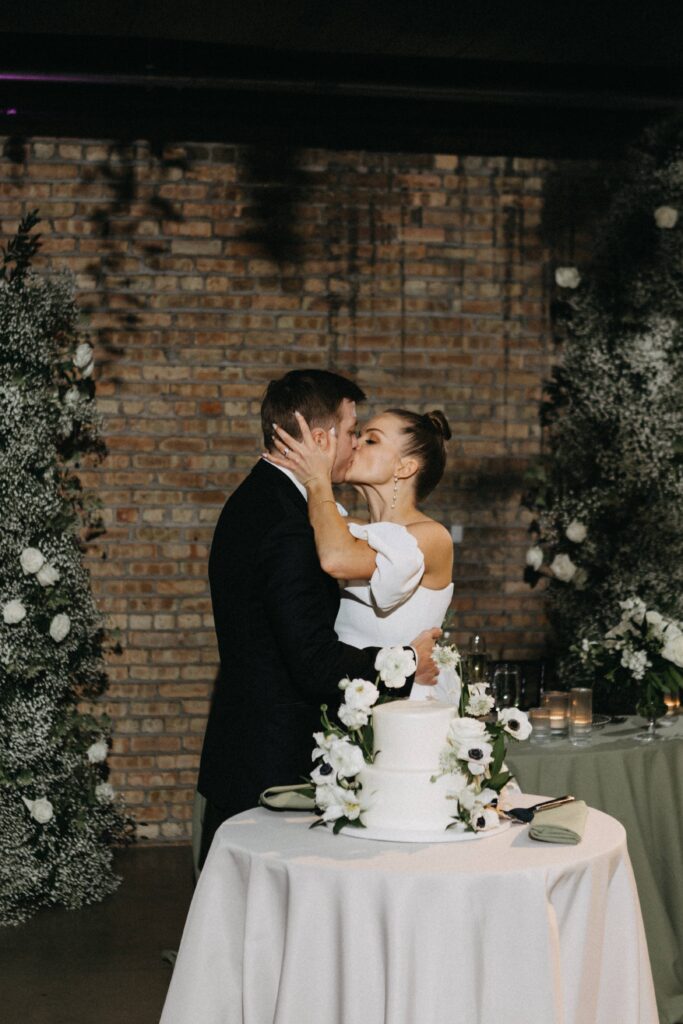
316,394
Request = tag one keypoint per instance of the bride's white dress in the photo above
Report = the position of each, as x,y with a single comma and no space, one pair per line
393,607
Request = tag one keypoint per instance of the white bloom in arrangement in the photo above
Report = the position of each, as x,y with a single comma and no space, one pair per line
480,702
478,754
580,578
353,718
104,792
72,395
323,775
637,662
463,730
330,800
359,694
32,560
351,804
666,216
657,624
534,557
483,818
13,612
673,645
515,722
394,665
567,277
87,370
446,656
576,532
633,608
97,752
48,575
41,810
324,744
83,355
345,757
60,627
562,568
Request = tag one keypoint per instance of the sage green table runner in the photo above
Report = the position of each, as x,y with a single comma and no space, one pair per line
641,785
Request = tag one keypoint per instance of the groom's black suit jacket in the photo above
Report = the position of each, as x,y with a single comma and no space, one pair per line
274,611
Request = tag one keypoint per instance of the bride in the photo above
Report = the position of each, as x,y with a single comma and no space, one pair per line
396,569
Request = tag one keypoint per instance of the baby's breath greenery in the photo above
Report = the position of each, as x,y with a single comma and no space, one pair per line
614,421
58,818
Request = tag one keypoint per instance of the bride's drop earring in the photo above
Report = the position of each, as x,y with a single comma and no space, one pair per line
395,494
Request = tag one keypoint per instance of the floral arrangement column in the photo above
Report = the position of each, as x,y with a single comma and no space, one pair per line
58,813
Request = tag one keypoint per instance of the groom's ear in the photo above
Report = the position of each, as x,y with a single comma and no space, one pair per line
319,436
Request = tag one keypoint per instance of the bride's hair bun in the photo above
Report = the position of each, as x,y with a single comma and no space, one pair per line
438,423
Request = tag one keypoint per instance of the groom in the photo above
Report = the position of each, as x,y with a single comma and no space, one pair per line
274,612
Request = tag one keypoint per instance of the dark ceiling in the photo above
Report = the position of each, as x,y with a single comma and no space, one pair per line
570,79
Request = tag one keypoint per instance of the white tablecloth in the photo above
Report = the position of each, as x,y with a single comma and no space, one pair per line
293,926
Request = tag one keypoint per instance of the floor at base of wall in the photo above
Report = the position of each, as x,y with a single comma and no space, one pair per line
102,964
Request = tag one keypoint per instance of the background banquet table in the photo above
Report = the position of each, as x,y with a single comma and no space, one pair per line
641,785
290,924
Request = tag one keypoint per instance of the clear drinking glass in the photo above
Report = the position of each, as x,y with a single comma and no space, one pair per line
506,686
580,715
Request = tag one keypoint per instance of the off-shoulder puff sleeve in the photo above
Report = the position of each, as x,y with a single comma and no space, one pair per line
400,563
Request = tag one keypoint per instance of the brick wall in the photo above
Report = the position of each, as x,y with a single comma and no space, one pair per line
205,271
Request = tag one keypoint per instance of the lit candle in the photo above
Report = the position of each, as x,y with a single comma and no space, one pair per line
580,715
673,703
557,703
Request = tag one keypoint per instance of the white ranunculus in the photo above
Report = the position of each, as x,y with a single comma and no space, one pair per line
48,575
360,695
97,752
60,627
562,568
31,560
83,355
478,754
346,758
462,730
13,612
673,646
666,216
576,532
567,277
457,783
353,718
41,810
104,792
394,665
534,557
515,722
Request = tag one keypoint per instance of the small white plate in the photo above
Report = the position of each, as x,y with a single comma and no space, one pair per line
397,835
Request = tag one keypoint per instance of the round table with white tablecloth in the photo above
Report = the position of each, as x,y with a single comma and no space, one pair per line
290,925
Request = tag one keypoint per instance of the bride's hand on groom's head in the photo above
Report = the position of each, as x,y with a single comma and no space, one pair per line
309,458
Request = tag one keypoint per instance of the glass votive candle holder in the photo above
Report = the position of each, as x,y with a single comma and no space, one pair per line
540,725
673,703
557,703
580,715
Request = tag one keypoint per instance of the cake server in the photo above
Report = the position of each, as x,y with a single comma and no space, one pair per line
525,814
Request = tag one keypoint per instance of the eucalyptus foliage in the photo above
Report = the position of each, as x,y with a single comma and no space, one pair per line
613,472
58,814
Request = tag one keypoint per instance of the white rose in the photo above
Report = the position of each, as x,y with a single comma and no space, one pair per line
457,783
478,754
360,695
83,355
31,560
534,557
666,217
462,730
41,810
48,575
394,665
60,627
353,718
97,752
576,532
562,568
104,792
673,646
567,277
346,758
515,722
13,612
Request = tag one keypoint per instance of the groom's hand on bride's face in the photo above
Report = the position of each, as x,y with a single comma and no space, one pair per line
427,671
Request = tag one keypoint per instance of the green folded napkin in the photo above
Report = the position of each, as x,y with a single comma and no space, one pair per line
288,798
563,824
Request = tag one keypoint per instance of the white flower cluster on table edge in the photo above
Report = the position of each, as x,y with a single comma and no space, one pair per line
474,755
